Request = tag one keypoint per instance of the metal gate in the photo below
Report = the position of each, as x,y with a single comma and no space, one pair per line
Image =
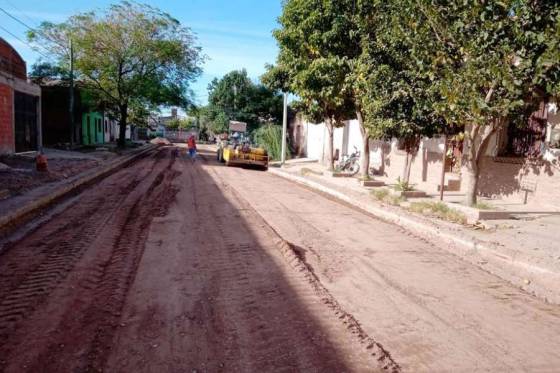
527,140
25,113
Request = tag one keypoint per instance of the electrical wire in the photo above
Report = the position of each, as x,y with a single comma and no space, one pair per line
29,27
19,10
21,40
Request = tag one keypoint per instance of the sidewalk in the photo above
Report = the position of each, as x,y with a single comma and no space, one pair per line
523,251
68,171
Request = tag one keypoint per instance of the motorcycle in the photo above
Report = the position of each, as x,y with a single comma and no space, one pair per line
351,163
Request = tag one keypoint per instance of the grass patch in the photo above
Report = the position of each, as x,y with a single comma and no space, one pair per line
384,195
307,171
439,210
483,206
403,186
380,194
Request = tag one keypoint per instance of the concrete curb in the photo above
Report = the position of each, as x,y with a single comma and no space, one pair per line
69,186
539,281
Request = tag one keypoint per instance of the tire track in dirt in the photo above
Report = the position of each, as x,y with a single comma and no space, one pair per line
295,257
113,238
242,255
22,257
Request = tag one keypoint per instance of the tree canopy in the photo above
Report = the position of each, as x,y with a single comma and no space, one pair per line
415,68
131,54
236,97
315,40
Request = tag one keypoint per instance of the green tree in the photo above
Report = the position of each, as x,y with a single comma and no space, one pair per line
180,124
242,100
215,120
43,71
311,63
488,61
131,53
390,93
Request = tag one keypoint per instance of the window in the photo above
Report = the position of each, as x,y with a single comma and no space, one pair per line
526,139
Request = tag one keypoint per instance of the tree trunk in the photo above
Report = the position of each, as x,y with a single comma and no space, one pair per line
411,148
472,177
123,118
382,166
476,150
407,167
364,161
330,144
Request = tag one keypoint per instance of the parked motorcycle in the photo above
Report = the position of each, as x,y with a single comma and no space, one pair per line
350,164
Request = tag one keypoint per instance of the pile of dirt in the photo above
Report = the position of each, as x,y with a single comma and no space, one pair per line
160,141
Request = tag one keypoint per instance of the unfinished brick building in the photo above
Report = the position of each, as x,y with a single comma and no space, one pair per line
20,119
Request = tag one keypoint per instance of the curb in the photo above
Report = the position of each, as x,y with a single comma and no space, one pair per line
72,185
534,279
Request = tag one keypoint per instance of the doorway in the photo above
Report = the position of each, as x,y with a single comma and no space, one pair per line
25,116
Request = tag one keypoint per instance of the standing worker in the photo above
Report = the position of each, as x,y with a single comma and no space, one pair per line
191,145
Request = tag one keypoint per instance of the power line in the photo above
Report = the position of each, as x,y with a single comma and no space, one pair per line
19,10
29,27
16,19
24,42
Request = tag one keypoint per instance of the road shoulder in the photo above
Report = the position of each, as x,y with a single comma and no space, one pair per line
520,267
19,209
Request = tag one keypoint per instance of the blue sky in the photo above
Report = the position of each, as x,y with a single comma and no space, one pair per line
234,34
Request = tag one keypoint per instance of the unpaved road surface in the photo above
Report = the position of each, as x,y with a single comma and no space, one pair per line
169,266
161,268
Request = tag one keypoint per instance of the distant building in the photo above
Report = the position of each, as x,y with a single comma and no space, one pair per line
20,113
163,121
92,125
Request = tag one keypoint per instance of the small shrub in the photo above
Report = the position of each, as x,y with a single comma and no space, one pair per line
483,206
439,210
380,194
384,195
394,200
269,137
403,186
307,171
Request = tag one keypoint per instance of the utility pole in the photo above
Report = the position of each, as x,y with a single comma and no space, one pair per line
71,109
284,129
234,98
444,159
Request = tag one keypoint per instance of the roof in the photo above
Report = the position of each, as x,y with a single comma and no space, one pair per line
237,126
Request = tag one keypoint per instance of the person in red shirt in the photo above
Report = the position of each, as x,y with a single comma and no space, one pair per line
191,145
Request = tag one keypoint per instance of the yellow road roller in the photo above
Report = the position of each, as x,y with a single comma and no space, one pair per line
237,151
243,155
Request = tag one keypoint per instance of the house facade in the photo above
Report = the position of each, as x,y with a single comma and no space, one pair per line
518,160
20,104
92,126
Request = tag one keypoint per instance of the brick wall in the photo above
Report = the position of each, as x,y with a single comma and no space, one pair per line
11,62
7,144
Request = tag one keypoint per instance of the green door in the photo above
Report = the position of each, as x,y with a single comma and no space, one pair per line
92,128
86,130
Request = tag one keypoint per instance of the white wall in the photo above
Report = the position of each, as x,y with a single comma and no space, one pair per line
315,140
354,136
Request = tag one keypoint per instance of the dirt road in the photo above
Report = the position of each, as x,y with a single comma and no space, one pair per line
169,266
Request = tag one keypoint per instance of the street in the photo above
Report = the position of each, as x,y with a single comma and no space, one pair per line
170,266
